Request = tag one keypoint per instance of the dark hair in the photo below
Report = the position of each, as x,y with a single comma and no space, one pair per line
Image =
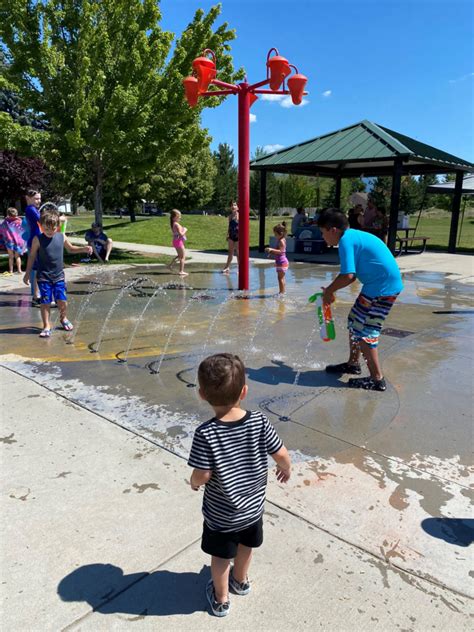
300,209
333,218
31,192
221,379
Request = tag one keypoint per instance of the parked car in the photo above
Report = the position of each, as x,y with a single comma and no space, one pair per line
150,208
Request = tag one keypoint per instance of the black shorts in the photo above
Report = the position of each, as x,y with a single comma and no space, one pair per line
224,544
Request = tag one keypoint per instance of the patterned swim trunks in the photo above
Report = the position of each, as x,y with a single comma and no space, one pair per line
367,316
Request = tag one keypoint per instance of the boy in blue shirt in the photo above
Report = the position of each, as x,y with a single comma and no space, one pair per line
364,257
101,244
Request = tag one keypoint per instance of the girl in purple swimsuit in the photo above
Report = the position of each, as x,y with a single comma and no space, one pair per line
179,238
281,262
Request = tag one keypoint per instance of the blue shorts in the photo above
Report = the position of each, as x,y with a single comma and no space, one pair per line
48,290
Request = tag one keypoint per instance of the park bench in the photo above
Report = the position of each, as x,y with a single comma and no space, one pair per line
402,243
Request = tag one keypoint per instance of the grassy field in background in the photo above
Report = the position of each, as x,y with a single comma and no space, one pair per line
208,232
205,232
119,256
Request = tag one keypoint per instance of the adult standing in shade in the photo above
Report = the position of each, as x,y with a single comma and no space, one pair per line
299,218
232,236
370,215
32,214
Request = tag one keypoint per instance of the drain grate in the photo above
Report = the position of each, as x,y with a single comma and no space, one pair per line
397,333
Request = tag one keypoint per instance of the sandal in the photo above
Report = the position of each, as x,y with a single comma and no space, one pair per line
46,333
368,383
67,325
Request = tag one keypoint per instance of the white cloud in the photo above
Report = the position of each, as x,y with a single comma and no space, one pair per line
463,78
253,118
269,149
288,103
283,99
327,93
272,97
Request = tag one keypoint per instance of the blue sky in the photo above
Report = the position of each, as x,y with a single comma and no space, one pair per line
405,64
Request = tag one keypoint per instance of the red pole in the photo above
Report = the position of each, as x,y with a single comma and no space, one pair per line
244,185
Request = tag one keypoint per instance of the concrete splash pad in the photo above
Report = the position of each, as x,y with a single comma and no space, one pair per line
386,472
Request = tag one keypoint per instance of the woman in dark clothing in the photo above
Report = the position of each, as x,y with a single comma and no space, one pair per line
356,217
232,236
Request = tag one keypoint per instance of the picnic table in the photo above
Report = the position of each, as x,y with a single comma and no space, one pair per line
402,242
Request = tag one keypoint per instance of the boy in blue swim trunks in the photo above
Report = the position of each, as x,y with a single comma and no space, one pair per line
365,257
47,249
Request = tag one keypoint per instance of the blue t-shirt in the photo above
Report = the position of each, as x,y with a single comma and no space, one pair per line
91,237
32,215
366,256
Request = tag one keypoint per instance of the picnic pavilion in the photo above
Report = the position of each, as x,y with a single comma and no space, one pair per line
369,150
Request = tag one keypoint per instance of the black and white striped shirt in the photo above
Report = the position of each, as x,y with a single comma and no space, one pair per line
237,453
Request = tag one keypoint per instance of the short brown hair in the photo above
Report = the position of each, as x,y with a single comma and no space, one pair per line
12,211
49,219
221,379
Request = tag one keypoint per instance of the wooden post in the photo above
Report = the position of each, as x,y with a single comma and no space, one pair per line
394,204
261,211
456,206
337,200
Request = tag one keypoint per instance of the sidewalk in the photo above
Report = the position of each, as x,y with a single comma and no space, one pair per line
101,532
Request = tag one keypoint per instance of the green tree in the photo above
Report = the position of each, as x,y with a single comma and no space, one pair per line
188,184
103,74
225,182
297,191
381,191
272,186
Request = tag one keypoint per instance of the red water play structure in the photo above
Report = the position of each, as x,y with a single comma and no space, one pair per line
197,85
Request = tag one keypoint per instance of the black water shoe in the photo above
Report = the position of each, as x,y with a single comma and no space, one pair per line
368,383
344,367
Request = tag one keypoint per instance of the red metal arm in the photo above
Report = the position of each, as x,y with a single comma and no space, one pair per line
223,84
216,93
257,85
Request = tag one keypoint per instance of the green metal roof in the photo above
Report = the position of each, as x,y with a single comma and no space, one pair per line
363,147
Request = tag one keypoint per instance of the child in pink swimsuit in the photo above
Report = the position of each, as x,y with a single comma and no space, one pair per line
281,262
179,238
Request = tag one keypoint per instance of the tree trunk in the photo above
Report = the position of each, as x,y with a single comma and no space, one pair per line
98,185
131,209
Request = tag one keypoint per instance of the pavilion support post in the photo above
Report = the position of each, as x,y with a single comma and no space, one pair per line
455,208
394,204
337,196
261,211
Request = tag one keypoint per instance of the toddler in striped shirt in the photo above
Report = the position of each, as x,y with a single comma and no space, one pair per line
229,455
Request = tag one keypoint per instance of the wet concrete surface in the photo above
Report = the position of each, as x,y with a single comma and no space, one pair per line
372,467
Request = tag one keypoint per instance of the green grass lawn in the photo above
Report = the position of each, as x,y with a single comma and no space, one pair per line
119,256
437,228
208,232
205,232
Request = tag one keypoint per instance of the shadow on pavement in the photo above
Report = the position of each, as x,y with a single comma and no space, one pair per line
459,531
21,330
108,591
280,373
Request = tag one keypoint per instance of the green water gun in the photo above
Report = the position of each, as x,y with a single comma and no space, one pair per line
327,329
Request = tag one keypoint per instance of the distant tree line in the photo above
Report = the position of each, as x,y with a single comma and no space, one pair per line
92,107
